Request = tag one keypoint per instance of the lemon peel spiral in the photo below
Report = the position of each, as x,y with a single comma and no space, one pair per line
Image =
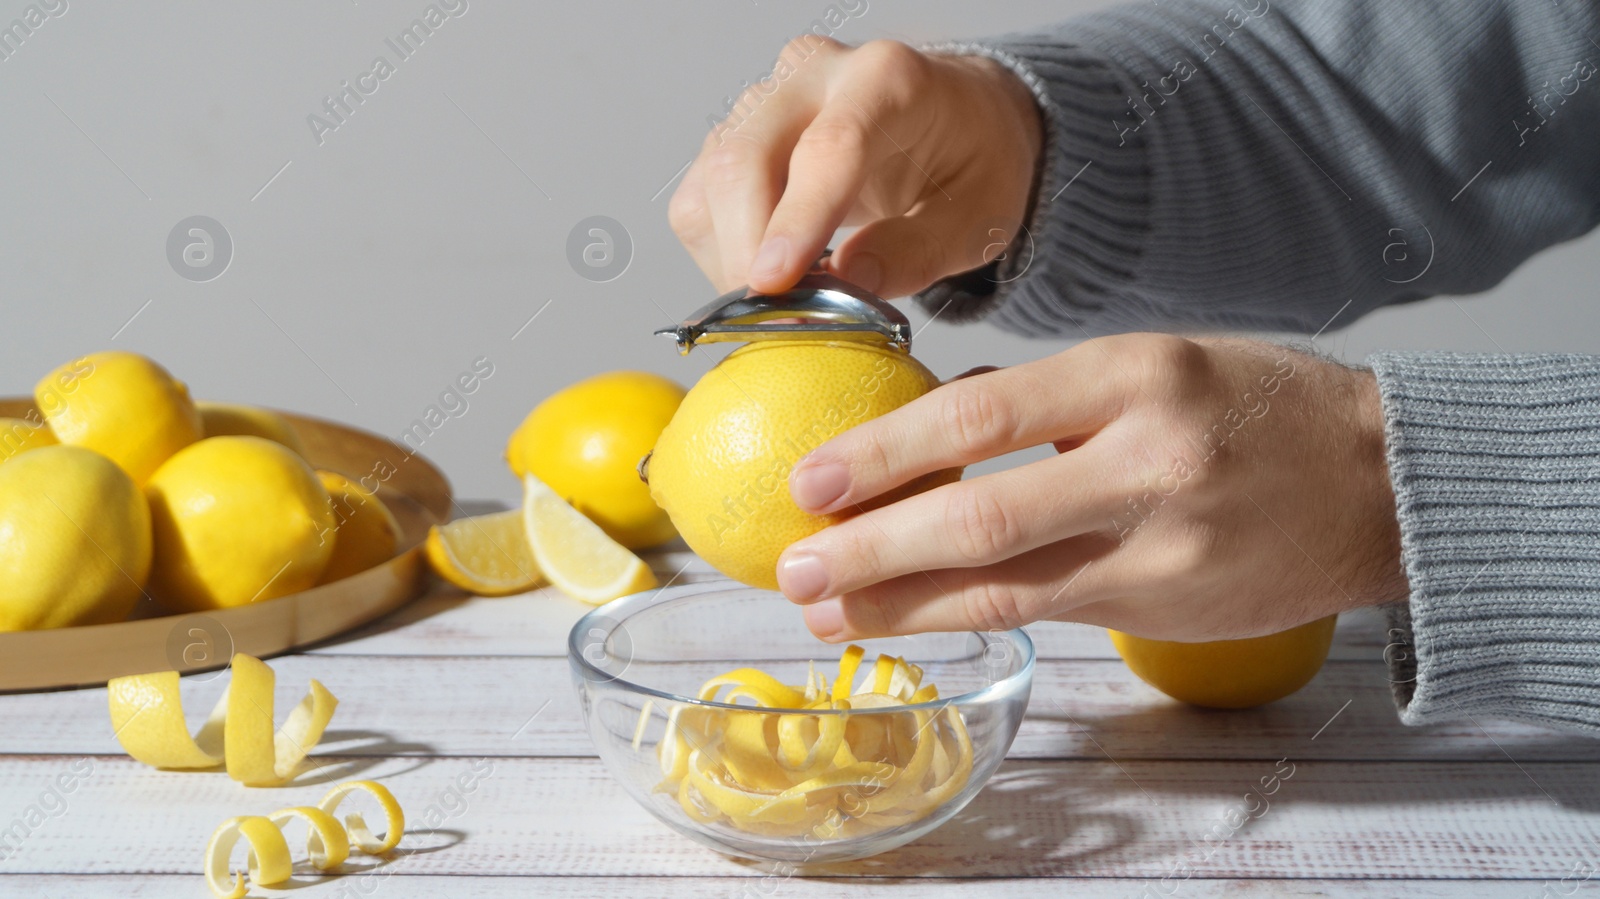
786,773
147,715
328,843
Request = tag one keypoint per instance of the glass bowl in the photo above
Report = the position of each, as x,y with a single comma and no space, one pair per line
780,781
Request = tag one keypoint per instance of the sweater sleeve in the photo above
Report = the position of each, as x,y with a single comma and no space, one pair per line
1262,163
1495,461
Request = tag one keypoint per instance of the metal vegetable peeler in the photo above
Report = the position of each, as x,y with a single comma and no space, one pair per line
830,308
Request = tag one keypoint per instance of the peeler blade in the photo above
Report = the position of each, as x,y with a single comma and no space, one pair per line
821,306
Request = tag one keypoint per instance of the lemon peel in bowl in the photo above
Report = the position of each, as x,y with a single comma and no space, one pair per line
328,843
828,775
147,715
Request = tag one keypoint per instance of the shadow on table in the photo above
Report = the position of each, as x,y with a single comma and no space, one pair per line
1098,810
369,749
1345,714
367,871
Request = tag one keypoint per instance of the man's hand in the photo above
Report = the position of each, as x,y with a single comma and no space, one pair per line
932,155
1202,490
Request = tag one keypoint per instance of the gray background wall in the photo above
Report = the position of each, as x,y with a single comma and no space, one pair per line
429,228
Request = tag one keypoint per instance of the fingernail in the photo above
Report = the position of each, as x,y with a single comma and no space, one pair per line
771,258
826,618
802,576
815,487
866,271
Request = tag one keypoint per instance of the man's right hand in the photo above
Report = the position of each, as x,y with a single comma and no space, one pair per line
933,156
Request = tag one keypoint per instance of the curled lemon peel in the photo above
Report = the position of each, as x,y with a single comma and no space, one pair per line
828,775
361,835
147,716
268,862
328,842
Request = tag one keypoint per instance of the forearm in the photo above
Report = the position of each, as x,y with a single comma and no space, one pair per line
1495,462
1261,164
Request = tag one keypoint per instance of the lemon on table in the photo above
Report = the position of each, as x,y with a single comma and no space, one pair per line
586,440
487,555
574,553
721,467
365,531
235,420
121,405
1230,674
74,540
18,435
237,520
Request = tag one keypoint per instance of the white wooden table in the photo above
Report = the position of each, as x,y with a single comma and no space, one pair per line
1110,789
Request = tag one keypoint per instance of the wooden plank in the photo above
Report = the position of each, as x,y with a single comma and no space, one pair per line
464,707
1138,819
447,622
405,886
1079,710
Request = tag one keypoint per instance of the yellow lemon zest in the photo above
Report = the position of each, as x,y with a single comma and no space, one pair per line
361,835
827,775
147,716
328,842
269,861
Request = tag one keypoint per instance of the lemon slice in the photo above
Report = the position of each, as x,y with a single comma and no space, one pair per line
574,553
487,555
147,716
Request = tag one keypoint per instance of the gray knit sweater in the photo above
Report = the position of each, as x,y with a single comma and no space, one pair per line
1260,164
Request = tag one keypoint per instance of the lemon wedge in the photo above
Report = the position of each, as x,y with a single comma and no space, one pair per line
829,775
327,841
574,553
147,716
487,555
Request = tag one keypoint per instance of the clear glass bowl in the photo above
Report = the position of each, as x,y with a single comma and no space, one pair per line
641,660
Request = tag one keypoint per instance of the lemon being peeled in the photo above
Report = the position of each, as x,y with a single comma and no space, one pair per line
237,520
74,540
1230,674
121,405
585,441
721,467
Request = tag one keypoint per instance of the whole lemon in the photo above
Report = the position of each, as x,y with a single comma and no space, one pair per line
721,467
365,533
1230,674
234,420
585,441
121,405
19,435
236,520
74,540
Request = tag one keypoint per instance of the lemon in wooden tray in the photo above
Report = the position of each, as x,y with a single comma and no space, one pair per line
117,486
74,540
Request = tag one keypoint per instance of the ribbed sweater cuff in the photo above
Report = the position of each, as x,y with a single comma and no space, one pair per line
1495,461
1083,234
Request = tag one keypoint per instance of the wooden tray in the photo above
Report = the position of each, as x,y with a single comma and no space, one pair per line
413,489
